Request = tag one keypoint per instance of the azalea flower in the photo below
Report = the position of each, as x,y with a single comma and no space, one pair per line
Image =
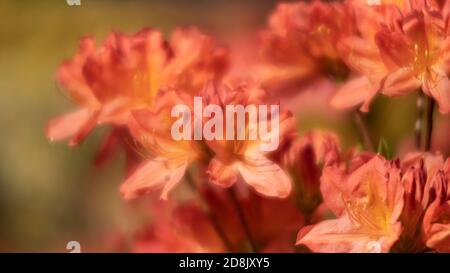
423,61
422,180
244,159
401,51
248,196
166,159
367,198
304,159
108,81
126,72
198,59
436,224
299,45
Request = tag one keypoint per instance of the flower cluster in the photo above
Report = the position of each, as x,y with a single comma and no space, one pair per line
331,198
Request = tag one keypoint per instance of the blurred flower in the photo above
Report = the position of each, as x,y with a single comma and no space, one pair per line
126,73
299,45
114,140
186,227
308,50
166,159
244,158
107,82
304,159
436,224
173,230
131,81
368,200
422,180
198,58
400,51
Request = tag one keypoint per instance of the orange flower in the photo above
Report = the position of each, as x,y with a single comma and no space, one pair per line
368,199
198,58
436,221
244,158
304,160
167,159
421,180
417,54
300,44
126,73
362,56
408,52
106,82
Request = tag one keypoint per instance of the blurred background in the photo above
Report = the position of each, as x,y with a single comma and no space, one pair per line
51,194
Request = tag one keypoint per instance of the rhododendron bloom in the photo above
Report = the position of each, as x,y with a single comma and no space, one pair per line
167,159
300,43
422,180
304,160
436,221
416,52
367,199
106,82
437,226
198,58
126,72
407,52
245,158
189,108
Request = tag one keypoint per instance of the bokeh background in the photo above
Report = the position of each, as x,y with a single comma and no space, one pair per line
51,194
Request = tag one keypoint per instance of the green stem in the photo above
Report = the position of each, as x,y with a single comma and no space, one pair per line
364,131
429,129
242,219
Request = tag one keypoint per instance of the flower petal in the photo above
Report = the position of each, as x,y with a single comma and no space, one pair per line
340,235
76,124
265,176
400,82
154,174
436,229
359,91
437,85
222,174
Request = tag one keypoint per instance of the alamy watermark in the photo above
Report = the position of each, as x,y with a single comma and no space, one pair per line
249,122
